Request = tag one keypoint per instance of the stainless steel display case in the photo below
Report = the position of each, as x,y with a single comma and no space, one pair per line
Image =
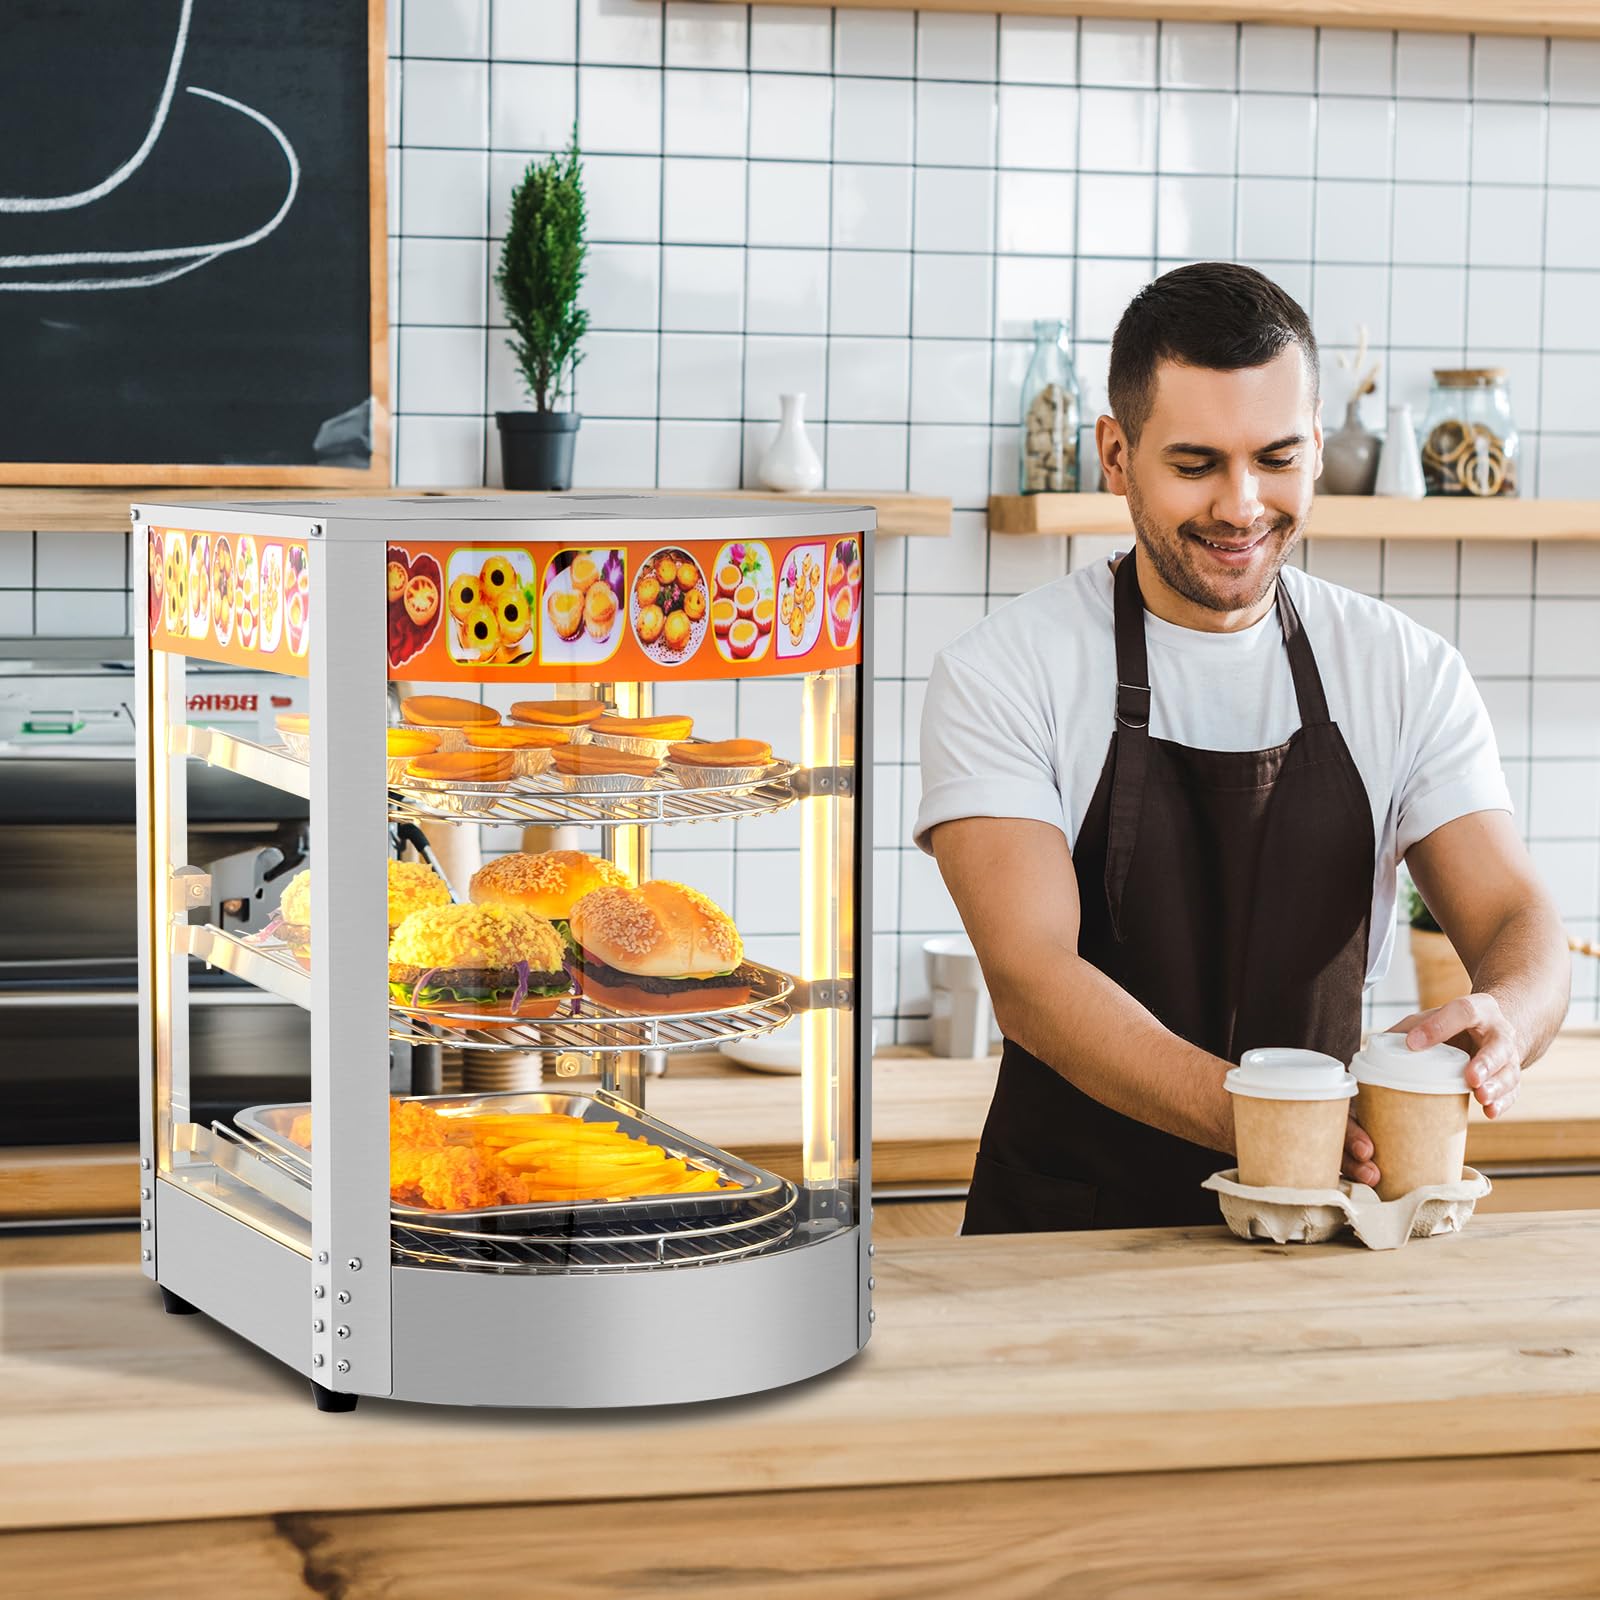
622,1303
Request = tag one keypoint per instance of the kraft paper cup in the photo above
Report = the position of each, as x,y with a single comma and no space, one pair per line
1413,1105
1289,1114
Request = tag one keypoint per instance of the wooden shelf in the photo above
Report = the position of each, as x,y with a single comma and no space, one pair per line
1579,19
1333,517
97,510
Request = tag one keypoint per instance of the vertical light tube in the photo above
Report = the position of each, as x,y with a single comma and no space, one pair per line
819,876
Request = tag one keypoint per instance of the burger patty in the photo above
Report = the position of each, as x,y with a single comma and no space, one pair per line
614,977
474,977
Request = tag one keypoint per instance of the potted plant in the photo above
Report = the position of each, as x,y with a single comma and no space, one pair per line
539,276
1440,974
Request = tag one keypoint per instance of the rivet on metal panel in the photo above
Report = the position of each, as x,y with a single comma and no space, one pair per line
144,1194
317,1291
317,1360
344,1366
354,1263
322,1256
342,1331
144,1224
872,1316
135,516
872,1249
144,1163
872,1283
317,1324
343,1297
148,1255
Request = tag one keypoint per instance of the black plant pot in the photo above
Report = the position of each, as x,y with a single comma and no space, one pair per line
536,448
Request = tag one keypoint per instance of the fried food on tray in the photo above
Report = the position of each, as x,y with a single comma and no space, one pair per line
463,1163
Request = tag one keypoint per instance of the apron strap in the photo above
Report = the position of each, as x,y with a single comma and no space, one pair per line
1131,736
1130,739
1308,689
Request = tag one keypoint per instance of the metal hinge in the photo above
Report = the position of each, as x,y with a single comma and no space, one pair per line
825,994
190,888
810,781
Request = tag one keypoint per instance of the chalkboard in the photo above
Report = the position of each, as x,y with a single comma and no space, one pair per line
192,251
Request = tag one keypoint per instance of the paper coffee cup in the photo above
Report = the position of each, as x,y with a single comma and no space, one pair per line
1289,1113
1413,1105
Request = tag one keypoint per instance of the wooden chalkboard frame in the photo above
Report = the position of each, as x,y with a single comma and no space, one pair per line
379,471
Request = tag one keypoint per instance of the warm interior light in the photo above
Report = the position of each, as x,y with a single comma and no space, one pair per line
819,910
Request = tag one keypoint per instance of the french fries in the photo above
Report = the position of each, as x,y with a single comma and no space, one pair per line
529,1157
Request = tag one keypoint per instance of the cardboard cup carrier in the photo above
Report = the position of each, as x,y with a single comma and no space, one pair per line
1289,1114
1413,1105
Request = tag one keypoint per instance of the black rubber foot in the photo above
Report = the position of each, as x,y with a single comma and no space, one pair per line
331,1399
174,1305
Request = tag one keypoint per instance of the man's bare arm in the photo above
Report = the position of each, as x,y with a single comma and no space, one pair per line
1478,881
1013,883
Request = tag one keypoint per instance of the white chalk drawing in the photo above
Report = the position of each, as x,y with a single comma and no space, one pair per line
193,256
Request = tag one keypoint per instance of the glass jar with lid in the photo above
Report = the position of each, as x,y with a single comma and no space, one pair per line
1469,440
1050,407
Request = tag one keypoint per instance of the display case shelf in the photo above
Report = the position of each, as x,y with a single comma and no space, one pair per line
545,800
584,1026
269,764
267,965
581,1024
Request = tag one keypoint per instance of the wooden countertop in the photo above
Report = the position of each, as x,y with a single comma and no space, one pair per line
927,1112
992,1358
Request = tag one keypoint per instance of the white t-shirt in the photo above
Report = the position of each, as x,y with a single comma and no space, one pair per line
1020,709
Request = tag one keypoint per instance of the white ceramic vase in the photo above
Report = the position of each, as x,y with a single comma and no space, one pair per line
1400,463
790,463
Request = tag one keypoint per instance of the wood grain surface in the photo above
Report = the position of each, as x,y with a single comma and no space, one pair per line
1014,1357
1575,18
1332,517
1516,1528
927,1115
101,510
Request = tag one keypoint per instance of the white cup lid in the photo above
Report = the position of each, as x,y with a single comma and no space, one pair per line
1387,1062
1284,1074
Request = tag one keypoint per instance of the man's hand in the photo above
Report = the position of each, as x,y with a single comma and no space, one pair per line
1358,1165
1476,1024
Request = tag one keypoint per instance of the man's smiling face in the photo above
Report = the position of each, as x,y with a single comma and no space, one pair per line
1219,484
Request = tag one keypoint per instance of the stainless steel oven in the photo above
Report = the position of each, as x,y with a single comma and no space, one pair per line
69,1064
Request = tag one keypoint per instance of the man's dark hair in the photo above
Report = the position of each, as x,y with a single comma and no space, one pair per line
1213,314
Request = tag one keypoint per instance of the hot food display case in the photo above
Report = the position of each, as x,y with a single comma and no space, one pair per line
639,691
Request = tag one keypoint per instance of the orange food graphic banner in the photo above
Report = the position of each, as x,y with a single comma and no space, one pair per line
514,613
230,597
628,611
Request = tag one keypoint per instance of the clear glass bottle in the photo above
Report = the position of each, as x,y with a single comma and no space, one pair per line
1469,438
1050,412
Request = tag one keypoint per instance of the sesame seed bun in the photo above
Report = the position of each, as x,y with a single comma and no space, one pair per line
413,886
548,884
654,947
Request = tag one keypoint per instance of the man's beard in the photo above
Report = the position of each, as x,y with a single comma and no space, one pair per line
1169,553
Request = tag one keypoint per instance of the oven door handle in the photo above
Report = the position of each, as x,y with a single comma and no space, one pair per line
65,999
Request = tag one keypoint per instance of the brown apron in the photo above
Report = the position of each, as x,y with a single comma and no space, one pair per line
1230,892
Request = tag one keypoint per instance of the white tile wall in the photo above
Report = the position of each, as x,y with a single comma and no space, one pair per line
871,207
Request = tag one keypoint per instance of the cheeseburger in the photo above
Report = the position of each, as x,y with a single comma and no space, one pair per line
294,917
412,885
661,947
491,961
549,884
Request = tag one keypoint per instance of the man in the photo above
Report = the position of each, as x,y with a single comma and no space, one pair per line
1169,795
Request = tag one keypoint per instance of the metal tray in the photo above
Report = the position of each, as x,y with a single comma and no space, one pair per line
270,1126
